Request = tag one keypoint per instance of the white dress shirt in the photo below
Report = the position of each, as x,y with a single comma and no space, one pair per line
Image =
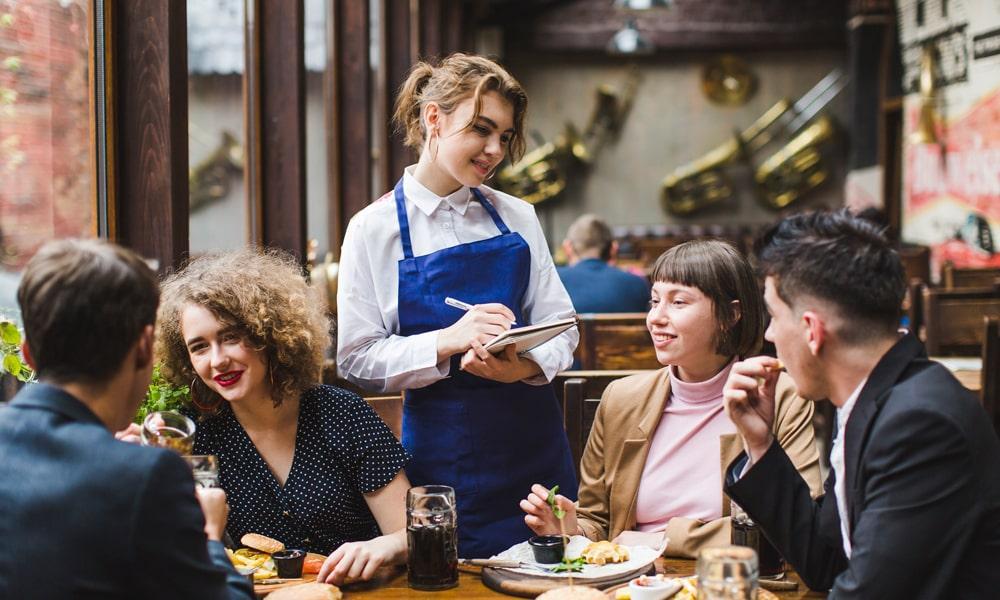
370,350
837,462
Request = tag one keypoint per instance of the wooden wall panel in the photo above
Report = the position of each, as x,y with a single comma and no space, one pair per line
151,142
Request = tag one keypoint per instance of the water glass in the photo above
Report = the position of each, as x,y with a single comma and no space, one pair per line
727,573
205,468
168,429
431,536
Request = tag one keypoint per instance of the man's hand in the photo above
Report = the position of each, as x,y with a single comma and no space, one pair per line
213,504
749,400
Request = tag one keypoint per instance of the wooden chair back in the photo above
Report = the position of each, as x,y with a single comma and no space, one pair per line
615,341
953,319
990,390
390,409
916,262
582,391
952,277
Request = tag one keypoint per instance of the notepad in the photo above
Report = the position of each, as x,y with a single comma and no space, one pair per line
530,336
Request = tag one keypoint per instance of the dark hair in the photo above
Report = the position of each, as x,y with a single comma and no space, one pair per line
723,274
84,304
839,258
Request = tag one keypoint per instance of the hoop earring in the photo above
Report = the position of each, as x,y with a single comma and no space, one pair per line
204,407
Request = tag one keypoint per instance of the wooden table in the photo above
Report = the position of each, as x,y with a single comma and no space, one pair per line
391,583
968,370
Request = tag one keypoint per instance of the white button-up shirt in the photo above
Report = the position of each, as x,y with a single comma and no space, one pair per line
837,462
370,350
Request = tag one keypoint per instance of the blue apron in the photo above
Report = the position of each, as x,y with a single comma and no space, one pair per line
488,440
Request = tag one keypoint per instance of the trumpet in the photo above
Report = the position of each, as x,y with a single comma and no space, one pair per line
541,174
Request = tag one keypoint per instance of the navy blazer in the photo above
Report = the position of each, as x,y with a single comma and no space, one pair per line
83,515
594,286
923,485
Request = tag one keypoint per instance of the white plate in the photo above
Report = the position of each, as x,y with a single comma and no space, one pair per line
640,557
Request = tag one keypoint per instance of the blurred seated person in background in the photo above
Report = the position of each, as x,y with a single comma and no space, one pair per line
310,465
83,515
652,467
912,504
594,285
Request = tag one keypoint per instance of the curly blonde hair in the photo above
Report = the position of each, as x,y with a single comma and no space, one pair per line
263,295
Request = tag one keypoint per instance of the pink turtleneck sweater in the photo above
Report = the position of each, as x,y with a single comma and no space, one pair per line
683,474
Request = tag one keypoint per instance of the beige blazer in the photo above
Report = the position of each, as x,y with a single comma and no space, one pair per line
616,451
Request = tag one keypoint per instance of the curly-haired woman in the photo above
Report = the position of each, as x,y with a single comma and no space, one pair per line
310,465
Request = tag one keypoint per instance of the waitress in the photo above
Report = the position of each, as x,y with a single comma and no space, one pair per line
487,425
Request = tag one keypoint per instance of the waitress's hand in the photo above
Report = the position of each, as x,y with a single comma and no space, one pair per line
506,367
480,324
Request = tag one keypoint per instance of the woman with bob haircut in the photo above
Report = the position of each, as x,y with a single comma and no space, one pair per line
487,425
653,465
310,465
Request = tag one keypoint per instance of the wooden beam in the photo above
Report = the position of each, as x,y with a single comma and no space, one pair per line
400,52
282,125
349,89
431,28
151,142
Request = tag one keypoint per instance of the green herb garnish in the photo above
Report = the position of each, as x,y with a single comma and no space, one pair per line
567,565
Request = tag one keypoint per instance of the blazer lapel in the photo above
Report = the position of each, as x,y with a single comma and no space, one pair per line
730,446
882,378
635,449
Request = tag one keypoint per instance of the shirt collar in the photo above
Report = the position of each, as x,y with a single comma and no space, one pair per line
844,412
427,201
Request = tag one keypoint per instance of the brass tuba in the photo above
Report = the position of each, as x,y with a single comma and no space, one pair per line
541,174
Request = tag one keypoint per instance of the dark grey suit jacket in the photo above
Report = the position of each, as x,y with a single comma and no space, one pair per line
923,486
83,515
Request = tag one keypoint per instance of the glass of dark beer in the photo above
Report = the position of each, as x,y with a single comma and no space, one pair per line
747,533
432,537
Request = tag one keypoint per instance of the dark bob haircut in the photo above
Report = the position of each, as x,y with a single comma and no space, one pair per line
841,259
723,275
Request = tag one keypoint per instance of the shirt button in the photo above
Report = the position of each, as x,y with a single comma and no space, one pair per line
446,225
286,513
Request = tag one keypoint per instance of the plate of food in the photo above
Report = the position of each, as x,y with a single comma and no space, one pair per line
256,557
586,560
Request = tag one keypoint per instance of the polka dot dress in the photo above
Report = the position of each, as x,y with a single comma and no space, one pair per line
342,450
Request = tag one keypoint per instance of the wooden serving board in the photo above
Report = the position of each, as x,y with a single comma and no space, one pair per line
511,583
261,589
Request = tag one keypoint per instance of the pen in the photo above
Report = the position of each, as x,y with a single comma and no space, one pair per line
462,305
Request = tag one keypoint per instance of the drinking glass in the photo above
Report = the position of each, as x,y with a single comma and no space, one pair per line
745,532
168,429
205,468
431,536
727,573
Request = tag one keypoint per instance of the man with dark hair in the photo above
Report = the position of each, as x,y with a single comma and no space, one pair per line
83,515
594,285
912,504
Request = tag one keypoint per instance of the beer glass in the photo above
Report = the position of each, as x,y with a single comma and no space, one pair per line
205,468
431,537
168,429
747,533
727,573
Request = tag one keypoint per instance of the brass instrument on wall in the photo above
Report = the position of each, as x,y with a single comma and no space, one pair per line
211,179
926,130
704,182
541,174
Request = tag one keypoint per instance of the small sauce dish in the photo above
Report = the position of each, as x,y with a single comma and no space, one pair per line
652,588
289,563
548,549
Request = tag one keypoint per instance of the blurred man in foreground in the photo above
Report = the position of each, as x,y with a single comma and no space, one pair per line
83,515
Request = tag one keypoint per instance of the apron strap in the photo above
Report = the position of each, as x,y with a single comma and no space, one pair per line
404,223
493,212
